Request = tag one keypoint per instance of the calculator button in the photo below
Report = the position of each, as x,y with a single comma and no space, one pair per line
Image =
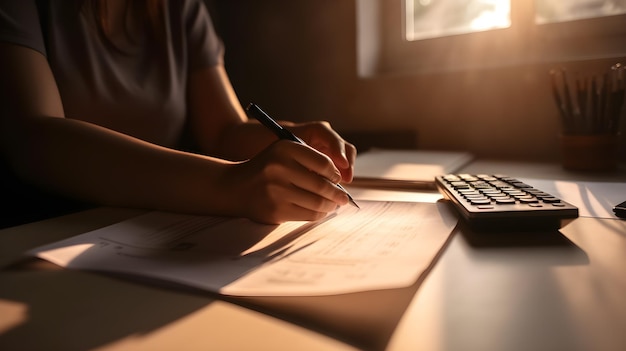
498,196
476,197
550,200
542,195
507,201
480,202
468,192
521,185
528,201
515,192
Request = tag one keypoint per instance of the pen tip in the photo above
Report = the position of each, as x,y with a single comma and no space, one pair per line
354,202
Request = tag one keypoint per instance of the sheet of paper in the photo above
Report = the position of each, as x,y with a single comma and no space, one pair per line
405,168
373,194
382,245
593,199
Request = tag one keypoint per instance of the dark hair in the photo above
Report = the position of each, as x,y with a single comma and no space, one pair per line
150,12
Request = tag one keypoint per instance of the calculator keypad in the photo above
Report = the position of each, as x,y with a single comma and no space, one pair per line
486,190
500,201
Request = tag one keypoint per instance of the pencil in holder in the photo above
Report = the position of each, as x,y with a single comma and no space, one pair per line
590,110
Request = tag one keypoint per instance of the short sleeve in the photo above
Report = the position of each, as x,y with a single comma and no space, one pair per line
19,24
205,48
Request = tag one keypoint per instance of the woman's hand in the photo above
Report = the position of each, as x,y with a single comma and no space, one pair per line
287,181
321,136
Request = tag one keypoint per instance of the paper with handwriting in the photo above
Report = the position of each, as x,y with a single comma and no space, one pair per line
383,245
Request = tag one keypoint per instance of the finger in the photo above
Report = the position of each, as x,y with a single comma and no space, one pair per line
313,186
335,147
315,161
347,174
302,214
322,137
317,191
350,153
309,170
296,205
317,202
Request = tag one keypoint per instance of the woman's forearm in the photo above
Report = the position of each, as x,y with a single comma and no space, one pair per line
98,165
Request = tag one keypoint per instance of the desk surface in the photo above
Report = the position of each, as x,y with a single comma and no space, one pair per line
556,291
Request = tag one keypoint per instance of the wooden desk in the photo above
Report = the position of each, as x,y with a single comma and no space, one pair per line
558,291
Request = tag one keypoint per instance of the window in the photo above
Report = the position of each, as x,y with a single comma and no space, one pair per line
551,11
436,18
423,36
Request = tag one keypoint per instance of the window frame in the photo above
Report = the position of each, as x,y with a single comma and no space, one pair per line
383,48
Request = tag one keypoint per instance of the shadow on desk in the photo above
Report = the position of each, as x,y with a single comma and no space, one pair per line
44,307
77,310
72,310
549,247
365,320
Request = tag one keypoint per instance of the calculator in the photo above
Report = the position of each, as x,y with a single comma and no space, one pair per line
500,202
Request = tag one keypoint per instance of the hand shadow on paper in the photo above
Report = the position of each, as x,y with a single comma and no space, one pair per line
163,243
78,310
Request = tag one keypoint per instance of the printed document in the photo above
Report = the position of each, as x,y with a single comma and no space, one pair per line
383,245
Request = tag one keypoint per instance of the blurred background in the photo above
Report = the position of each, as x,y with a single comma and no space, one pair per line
468,75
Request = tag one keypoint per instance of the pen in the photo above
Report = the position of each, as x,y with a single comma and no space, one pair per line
283,133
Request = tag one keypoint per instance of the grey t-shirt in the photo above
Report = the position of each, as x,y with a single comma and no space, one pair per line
141,92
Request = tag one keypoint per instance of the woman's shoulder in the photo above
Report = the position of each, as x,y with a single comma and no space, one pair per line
20,23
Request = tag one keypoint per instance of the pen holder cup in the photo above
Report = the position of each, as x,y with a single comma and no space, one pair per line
594,152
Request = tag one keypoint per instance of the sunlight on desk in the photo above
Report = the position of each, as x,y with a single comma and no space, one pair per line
13,314
220,323
393,195
593,199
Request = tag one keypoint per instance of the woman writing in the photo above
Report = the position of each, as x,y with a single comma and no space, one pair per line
98,96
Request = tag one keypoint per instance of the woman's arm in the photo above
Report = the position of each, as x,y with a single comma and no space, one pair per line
218,123
87,162
213,102
287,181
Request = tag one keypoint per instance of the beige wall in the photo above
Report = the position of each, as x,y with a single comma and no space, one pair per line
297,59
